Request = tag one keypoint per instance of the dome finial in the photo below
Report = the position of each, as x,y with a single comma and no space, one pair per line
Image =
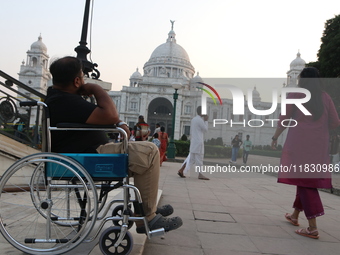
172,24
298,54
171,35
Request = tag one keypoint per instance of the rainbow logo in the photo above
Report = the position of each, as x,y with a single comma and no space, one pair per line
209,93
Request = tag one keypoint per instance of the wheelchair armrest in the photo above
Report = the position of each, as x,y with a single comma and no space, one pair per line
81,125
28,103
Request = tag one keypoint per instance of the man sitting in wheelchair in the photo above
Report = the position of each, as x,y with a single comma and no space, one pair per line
66,105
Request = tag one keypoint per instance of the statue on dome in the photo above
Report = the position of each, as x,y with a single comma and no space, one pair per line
172,24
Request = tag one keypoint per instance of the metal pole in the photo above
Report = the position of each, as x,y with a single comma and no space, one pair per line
172,147
82,49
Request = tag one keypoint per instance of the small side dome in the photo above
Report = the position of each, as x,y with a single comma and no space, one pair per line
256,95
136,75
196,79
39,46
298,63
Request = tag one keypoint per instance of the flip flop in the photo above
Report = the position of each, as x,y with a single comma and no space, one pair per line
306,232
161,222
294,222
180,174
165,210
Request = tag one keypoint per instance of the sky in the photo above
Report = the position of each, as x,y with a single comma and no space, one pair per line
223,38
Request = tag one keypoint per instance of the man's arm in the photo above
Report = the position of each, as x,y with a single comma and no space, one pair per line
204,123
105,113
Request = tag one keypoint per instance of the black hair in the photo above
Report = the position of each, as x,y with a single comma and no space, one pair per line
162,129
65,70
199,110
155,135
310,80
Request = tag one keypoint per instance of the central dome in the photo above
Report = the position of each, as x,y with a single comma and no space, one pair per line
169,60
170,50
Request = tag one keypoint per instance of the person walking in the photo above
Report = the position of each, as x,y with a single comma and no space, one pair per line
236,144
246,148
157,129
306,147
142,129
156,141
199,126
163,137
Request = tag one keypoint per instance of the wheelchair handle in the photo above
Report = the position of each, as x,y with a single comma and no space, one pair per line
32,103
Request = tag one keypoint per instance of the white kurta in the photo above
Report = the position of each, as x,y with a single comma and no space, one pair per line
197,129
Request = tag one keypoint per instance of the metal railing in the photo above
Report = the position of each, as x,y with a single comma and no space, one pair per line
15,121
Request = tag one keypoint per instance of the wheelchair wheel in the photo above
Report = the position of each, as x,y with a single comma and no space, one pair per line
108,239
42,193
38,194
118,211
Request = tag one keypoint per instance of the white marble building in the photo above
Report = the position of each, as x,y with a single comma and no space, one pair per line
151,93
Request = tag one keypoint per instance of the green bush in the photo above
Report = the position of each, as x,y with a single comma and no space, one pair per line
213,141
182,148
210,151
268,153
184,138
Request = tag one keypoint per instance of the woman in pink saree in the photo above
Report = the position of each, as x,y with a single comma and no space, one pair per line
305,148
163,137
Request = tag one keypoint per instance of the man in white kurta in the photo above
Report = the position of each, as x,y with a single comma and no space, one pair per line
199,126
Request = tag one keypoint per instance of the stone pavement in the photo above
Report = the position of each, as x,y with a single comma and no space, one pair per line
233,213
239,213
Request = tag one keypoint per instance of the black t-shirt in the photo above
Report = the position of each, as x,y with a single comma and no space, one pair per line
236,143
71,108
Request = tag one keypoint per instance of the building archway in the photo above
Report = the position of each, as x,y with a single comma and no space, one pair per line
160,111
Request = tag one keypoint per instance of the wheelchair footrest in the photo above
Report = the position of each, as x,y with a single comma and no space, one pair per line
36,240
157,232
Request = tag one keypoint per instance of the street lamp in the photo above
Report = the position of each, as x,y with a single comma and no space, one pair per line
82,49
172,147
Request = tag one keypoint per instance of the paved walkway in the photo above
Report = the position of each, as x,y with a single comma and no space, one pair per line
233,213
239,214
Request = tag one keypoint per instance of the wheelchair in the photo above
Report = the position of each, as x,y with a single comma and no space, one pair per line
50,202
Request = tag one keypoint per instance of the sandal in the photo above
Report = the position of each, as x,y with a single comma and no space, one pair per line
165,210
306,232
180,174
161,222
203,178
288,217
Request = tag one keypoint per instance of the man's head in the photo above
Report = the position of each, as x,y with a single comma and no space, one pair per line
141,118
158,125
67,71
199,110
247,137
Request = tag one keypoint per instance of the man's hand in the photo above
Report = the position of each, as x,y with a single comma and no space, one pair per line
127,130
87,89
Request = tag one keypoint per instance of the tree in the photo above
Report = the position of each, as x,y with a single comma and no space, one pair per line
329,52
329,58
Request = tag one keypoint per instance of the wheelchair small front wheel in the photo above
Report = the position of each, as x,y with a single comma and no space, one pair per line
108,239
118,211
